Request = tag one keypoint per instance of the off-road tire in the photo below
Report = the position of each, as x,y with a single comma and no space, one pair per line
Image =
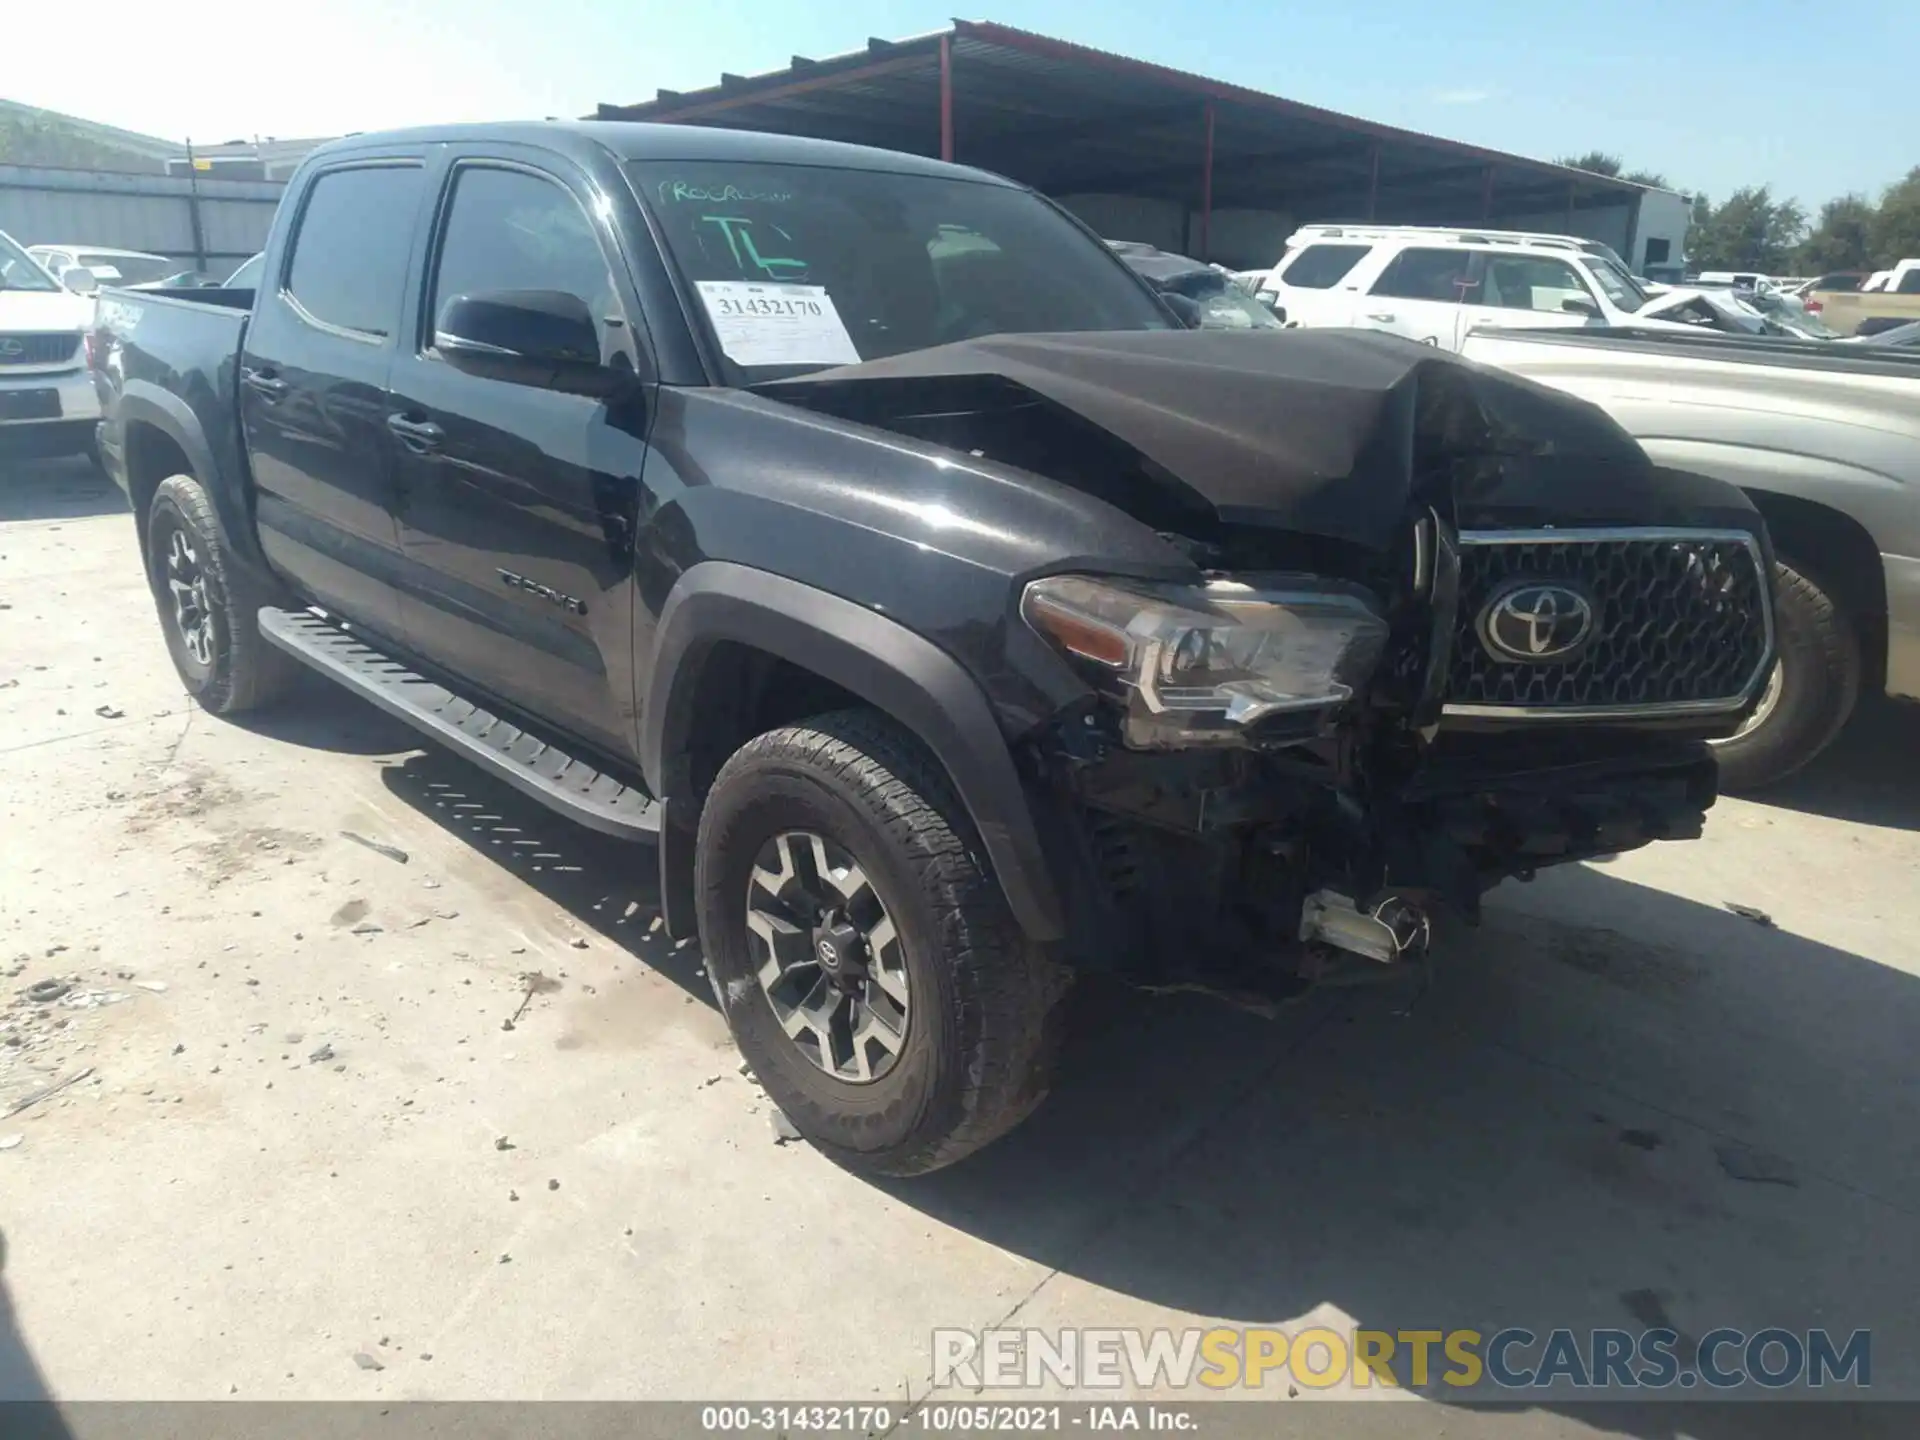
244,671
981,1032
1820,668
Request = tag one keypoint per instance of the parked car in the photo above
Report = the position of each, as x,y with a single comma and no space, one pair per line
47,401
1888,298
1217,300
1436,286
1778,311
107,267
1825,440
865,534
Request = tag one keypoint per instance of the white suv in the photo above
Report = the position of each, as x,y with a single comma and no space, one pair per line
1436,285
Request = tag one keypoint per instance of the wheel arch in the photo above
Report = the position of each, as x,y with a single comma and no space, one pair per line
1843,555
724,623
164,437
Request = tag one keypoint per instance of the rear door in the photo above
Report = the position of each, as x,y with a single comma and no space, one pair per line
520,504
1422,294
1316,285
1526,291
313,385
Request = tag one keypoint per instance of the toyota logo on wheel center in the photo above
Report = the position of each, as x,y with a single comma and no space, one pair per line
1536,621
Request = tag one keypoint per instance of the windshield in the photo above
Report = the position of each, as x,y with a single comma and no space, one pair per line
18,270
110,268
1224,305
798,268
1621,288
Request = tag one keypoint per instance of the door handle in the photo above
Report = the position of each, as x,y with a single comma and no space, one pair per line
264,383
1385,317
420,436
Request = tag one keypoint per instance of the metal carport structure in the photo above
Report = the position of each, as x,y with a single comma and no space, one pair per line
1218,170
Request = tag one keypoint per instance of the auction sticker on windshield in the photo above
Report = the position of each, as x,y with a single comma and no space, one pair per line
777,324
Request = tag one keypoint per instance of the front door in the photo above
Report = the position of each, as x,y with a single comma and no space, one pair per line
1529,291
519,504
1420,295
313,387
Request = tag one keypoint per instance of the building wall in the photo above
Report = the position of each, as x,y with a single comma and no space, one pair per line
154,213
1664,216
1131,217
1609,225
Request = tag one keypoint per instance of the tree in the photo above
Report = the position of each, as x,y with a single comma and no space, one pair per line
1842,238
1598,162
1750,231
1896,225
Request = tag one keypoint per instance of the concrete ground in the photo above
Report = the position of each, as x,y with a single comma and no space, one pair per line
456,1120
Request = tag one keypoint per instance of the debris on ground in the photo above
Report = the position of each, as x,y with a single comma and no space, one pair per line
579,942
49,1092
392,852
501,1142
532,983
11,1142
1757,1166
322,1055
367,927
158,987
784,1132
553,1184
1749,912
45,992
366,1361
710,1080
108,712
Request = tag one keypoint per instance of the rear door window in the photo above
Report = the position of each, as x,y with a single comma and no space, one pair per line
1420,274
1321,267
350,253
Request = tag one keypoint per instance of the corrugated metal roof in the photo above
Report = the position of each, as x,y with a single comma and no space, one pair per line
1058,114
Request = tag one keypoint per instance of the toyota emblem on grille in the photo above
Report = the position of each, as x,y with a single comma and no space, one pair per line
12,349
1536,621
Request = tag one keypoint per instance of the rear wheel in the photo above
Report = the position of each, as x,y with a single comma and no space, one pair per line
1813,690
865,958
209,605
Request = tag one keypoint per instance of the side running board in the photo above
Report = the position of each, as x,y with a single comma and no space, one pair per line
525,761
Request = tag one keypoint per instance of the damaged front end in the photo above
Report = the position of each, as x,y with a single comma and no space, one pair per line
1272,769
1442,627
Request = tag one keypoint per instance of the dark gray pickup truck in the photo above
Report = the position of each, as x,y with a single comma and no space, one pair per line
863,534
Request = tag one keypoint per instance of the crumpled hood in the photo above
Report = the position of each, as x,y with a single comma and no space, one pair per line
1335,433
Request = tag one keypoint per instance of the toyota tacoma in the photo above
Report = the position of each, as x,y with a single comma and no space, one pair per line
858,531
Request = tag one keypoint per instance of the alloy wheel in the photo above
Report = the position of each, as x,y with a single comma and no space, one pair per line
827,956
187,583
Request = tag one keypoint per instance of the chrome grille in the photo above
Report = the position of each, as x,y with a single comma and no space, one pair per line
37,349
1681,621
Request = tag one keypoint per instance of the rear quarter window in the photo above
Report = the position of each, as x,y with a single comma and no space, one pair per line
1321,267
350,253
1418,274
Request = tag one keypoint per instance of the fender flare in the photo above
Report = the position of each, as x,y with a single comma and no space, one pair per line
144,403
868,654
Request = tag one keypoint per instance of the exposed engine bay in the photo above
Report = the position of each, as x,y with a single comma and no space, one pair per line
1444,627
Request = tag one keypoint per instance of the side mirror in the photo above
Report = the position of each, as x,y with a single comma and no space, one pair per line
1580,305
80,280
543,338
1185,309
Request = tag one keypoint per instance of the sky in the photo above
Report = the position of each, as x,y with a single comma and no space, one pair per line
1714,94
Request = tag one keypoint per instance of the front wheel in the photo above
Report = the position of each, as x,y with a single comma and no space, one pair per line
1812,693
865,958
209,605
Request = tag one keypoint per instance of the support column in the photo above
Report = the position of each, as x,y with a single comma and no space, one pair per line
946,97
1373,184
1206,191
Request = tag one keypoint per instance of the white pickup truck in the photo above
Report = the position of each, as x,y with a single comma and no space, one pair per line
1825,440
47,401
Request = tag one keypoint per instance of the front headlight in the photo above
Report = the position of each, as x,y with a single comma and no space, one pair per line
1197,665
